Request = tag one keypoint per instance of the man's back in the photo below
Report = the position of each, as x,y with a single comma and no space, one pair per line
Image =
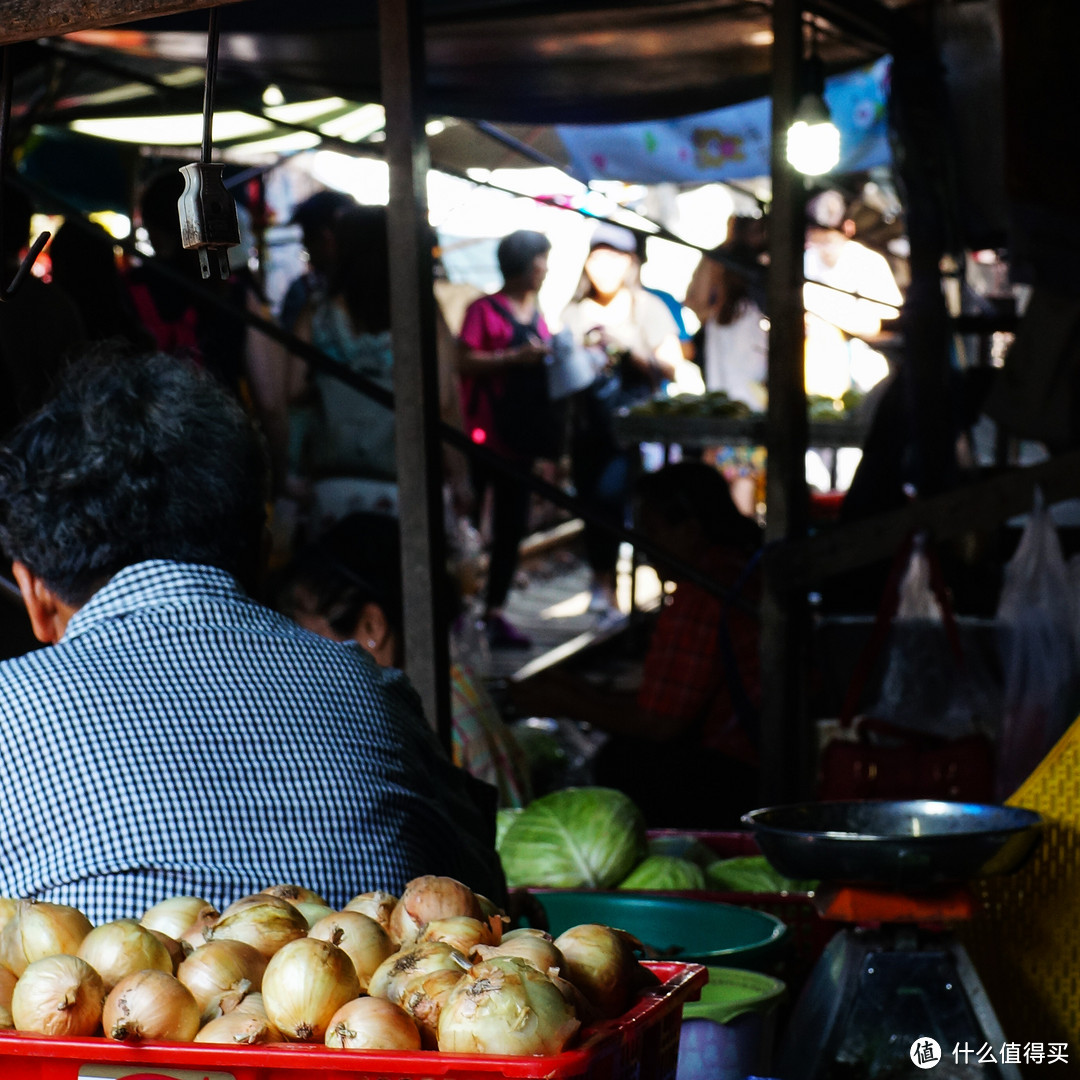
182,739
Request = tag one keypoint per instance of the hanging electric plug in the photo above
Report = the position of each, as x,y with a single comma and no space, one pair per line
208,222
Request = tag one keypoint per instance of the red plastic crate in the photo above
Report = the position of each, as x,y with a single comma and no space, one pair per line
642,1044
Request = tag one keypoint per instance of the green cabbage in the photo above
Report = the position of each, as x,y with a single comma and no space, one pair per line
575,838
752,873
682,846
504,818
665,872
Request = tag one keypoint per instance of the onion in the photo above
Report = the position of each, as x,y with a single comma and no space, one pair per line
7,910
362,938
295,894
39,929
252,1005
428,898
150,1005
219,975
312,912
59,995
422,998
121,948
600,962
396,970
177,915
306,982
527,931
264,922
370,1023
375,905
7,984
178,951
239,1029
538,951
195,935
583,1009
461,932
505,1006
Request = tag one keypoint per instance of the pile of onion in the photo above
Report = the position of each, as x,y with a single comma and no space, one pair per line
432,969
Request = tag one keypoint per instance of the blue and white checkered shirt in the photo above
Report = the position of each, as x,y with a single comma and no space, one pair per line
182,739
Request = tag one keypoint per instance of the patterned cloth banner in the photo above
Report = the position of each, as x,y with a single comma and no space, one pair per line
730,143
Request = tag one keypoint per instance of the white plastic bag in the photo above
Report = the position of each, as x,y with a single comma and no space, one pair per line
1036,619
925,686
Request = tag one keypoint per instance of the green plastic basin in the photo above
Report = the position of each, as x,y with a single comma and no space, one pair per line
730,993
675,928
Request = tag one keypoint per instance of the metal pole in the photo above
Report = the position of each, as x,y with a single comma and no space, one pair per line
416,379
783,611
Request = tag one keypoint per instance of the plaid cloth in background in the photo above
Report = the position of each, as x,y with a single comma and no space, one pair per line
684,672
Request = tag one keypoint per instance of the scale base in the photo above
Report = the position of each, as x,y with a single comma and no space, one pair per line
874,993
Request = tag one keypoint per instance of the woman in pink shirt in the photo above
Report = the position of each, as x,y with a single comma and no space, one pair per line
504,343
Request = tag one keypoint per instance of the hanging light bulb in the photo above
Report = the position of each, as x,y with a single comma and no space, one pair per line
813,140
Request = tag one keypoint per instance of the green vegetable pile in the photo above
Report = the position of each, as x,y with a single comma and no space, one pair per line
594,838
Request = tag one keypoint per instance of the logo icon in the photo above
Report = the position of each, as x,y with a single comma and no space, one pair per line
925,1052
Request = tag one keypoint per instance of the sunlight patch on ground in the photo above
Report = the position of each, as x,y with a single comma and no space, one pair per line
569,608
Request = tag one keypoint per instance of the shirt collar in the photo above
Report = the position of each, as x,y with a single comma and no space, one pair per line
153,583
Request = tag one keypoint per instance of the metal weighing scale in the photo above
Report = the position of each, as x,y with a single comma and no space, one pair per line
895,976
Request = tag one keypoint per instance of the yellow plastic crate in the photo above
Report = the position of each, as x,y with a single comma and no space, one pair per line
1025,941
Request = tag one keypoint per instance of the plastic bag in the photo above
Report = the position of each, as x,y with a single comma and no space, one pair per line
1036,619
925,687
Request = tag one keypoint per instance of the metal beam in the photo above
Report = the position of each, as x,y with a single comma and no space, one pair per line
784,611
416,377
869,20
977,507
24,20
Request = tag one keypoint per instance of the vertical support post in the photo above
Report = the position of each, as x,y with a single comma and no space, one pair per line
416,380
784,735
918,112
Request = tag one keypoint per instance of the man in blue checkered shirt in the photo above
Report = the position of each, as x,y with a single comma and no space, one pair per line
176,737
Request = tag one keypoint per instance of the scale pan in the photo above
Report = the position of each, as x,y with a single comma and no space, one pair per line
910,844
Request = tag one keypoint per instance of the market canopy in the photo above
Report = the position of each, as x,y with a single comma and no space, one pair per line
506,59
730,143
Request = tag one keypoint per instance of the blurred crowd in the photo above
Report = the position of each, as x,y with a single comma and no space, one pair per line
543,396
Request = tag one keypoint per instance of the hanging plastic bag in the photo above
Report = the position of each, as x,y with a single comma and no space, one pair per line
925,686
1036,620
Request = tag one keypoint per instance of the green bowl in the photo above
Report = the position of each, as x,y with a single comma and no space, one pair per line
675,928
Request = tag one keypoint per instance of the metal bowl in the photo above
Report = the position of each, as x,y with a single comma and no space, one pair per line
908,844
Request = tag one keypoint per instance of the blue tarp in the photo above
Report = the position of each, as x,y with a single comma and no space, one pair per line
731,143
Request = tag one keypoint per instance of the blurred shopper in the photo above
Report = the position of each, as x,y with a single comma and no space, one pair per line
686,339
350,450
346,586
183,322
504,344
639,340
40,327
317,217
84,265
732,348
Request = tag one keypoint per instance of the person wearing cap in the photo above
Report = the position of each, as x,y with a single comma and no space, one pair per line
503,345
316,217
610,311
